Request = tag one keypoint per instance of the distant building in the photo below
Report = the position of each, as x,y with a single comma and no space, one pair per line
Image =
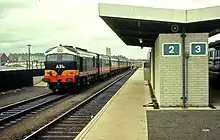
23,57
38,57
108,51
3,57
12,57
118,56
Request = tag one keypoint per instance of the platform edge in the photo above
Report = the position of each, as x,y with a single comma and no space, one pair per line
88,127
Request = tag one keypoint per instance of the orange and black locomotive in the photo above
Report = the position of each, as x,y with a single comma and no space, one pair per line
68,67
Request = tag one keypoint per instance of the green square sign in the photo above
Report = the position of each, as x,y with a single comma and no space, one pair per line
198,48
171,49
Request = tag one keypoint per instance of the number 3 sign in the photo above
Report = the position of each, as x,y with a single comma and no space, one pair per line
171,49
198,48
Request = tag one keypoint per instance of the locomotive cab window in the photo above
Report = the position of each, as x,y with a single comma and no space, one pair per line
60,57
53,57
68,57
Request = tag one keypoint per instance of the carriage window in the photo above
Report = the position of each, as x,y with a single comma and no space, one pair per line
211,54
215,53
218,53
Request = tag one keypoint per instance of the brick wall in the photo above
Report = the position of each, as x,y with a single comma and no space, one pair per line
198,80
169,73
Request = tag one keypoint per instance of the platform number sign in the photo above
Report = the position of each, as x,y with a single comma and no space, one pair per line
171,49
198,48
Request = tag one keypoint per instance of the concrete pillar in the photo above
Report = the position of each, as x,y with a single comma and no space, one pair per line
152,70
168,73
157,61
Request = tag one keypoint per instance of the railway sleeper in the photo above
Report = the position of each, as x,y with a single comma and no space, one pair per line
57,137
79,119
71,124
67,129
75,121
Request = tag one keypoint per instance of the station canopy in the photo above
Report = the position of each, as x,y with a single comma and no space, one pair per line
140,26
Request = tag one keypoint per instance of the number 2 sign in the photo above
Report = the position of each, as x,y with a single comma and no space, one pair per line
198,48
171,49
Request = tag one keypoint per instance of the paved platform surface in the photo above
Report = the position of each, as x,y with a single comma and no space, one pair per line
123,117
41,84
37,79
37,82
183,125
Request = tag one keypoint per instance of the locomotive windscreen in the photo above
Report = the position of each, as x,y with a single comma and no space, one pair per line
60,57
61,62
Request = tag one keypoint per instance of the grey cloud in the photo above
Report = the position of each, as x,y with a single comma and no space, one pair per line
44,26
9,4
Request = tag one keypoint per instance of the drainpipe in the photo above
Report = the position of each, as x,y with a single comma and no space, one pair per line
184,68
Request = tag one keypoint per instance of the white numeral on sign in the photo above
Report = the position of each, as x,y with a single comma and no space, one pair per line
198,49
171,48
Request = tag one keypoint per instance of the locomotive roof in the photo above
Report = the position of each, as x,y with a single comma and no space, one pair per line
70,48
61,49
79,51
214,44
212,49
85,53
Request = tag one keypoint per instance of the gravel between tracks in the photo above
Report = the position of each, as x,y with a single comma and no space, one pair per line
18,130
12,97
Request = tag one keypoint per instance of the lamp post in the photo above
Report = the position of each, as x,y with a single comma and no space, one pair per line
29,56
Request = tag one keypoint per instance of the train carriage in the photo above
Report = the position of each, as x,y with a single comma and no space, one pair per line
104,65
114,65
122,64
88,68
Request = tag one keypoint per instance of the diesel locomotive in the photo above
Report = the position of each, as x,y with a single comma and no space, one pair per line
68,67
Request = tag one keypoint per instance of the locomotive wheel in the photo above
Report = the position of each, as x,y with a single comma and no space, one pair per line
51,87
73,89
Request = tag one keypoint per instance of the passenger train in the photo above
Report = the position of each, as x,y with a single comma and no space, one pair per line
68,67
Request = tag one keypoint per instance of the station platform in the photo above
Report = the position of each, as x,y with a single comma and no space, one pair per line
123,117
41,84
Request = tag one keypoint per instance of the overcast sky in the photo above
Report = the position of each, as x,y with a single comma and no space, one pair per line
46,23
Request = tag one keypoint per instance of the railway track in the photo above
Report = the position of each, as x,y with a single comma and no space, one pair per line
15,112
68,125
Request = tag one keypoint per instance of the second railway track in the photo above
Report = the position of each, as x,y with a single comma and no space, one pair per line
15,112
70,124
